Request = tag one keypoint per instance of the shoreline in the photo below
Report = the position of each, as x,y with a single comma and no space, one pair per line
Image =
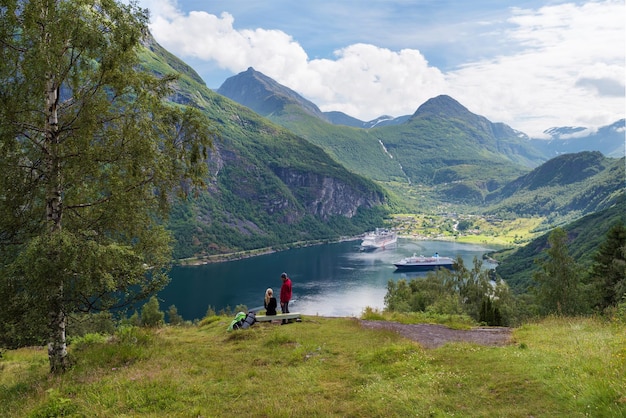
239,255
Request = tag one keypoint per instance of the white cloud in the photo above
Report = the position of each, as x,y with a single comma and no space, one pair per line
566,68
573,57
364,81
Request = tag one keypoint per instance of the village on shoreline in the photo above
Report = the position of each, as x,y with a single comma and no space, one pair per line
470,229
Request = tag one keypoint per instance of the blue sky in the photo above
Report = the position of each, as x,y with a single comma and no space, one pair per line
530,64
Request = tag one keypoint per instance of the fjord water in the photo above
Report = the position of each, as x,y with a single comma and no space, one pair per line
328,280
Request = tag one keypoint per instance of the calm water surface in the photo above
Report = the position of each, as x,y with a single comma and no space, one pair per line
328,280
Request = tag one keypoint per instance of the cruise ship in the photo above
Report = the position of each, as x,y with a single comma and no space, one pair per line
379,239
421,263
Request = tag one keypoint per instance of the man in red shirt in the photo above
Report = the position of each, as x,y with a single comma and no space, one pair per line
285,294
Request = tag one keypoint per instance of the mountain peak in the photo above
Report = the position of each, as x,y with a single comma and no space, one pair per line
442,105
262,94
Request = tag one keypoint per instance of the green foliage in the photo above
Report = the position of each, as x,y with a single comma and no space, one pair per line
132,335
91,152
173,317
151,315
81,343
464,225
562,189
584,239
90,323
210,311
371,314
565,367
461,291
559,282
608,272
133,320
55,406
620,311
241,308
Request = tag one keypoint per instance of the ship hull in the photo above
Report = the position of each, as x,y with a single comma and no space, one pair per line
422,267
422,263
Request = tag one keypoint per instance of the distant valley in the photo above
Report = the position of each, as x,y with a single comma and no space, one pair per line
443,150
286,174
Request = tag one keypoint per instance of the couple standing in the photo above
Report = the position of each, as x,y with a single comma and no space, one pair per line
285,297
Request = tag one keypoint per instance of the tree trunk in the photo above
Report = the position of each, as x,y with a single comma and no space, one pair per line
57,346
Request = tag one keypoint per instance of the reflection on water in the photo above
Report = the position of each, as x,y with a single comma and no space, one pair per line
328,280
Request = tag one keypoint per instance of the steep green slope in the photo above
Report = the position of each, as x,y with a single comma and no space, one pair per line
268,186
566,187
442,144
584,237
354,148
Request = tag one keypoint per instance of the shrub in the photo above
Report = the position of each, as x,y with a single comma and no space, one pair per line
86,340
151,316
55,406
92,323
174,317
372,314
210,311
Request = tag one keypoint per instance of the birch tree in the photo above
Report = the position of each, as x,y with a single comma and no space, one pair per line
91,152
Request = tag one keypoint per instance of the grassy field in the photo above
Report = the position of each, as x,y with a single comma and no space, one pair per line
481,230
324,367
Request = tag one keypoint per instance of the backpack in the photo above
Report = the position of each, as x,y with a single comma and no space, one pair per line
249,321
237,322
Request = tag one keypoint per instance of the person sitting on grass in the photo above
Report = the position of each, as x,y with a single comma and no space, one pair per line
270,302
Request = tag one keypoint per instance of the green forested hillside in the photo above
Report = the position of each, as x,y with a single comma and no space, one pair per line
584,237
268,186
443,144
564,188
464,154
354,148
267,179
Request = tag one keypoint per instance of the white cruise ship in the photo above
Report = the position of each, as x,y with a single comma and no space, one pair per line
379,239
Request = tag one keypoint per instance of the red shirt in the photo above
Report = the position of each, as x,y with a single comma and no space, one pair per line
285,291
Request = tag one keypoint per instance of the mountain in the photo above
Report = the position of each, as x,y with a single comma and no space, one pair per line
609,140
264,95
567,186
465,155
351,147
385,121
340,118
442,144
267,186
584,237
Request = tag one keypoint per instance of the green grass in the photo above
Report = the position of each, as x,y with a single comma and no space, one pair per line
482,231
325,367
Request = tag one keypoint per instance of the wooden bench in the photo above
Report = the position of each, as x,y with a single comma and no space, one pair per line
277,317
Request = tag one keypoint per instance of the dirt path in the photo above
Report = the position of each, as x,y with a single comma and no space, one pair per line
433,336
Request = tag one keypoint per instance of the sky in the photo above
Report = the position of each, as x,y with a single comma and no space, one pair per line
532,64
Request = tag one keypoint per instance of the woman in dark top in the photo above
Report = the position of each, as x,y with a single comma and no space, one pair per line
270,302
